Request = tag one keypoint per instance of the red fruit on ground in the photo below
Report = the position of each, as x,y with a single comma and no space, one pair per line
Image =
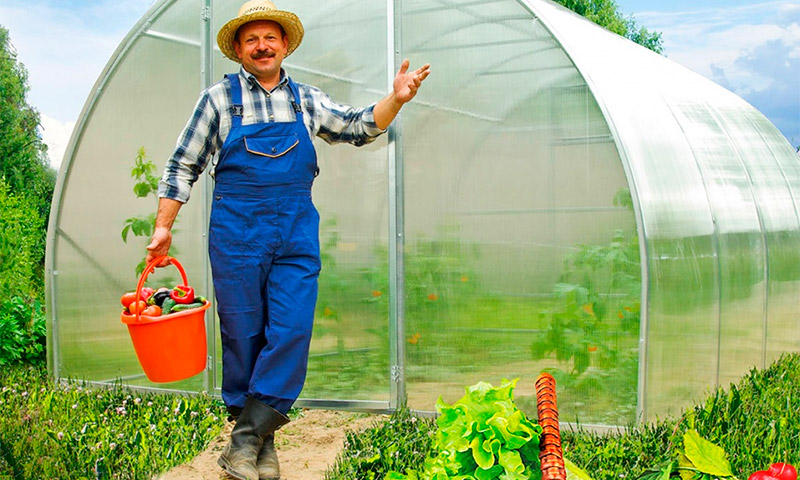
761,475
783,471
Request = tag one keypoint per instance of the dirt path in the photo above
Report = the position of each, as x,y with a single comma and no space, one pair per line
306,447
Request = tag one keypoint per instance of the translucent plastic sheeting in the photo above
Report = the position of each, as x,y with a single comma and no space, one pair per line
134,105
715,189
572,202
511,179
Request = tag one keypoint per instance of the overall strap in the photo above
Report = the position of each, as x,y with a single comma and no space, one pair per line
237,110
298,114
298,110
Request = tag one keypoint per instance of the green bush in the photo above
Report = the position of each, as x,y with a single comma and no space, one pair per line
72,432
21,244
22,331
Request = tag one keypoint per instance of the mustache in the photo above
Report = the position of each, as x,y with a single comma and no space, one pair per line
263,54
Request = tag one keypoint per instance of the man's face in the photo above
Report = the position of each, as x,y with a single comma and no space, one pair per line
261,47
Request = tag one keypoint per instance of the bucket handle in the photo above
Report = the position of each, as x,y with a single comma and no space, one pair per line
149,269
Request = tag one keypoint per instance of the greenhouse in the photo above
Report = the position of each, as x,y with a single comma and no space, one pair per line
555,198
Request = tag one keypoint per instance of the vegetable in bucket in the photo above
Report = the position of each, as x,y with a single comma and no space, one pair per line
169,339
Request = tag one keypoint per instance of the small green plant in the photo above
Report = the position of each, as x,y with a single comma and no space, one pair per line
146,185
699,460
591,329
482,436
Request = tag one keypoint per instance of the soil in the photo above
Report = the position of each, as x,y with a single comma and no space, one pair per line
306,447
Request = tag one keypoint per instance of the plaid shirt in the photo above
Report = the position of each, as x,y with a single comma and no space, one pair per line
208,127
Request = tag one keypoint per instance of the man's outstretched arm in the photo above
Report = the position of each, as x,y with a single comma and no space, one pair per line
405,88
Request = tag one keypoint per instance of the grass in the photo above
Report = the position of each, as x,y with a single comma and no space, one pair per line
71,432
68,431
756,421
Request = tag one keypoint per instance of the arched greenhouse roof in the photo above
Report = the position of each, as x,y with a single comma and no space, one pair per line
555,197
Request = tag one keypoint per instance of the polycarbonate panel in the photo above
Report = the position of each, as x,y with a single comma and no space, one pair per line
706,187
538,157
511,177
344,54
137,104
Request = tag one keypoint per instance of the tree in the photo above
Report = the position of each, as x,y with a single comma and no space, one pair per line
606,14
24,168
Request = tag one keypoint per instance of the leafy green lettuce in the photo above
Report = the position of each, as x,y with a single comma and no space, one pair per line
482,436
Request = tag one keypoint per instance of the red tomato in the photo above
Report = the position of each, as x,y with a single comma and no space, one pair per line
127,299
146,292
139,306
152,310
783,471
761,475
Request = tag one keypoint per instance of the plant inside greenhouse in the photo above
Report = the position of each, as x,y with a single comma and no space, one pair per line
549,252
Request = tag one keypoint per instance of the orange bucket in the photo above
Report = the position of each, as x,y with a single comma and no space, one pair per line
169,347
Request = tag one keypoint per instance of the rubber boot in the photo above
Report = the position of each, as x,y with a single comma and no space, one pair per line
268,467
240,455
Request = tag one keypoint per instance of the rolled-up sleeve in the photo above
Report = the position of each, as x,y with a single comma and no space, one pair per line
337,123
196,145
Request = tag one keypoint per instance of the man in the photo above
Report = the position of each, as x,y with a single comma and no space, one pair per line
256,128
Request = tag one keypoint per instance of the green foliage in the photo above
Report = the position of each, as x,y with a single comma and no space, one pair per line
70,431
482,436
21,245
580,333
400,443
606,14
756,422
146,185
22,331
24,167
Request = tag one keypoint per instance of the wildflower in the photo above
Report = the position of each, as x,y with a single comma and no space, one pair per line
60,435
592,348
137,400
112,445
433,297
327,312
376,293
194,414
465,279
74,406
24,394
149,404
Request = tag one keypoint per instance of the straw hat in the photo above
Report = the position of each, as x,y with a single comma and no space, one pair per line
259,10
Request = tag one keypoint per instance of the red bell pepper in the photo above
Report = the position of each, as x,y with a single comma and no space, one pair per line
182,294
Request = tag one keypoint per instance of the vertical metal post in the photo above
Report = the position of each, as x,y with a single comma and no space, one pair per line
206,78
396,220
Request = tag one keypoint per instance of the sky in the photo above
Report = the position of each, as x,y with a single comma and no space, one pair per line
749,47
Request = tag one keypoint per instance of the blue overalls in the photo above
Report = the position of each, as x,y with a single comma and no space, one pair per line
264,251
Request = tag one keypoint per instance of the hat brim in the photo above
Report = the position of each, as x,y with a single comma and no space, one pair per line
289,21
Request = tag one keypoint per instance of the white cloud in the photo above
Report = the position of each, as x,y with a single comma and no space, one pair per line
56,135
65,45
753,50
